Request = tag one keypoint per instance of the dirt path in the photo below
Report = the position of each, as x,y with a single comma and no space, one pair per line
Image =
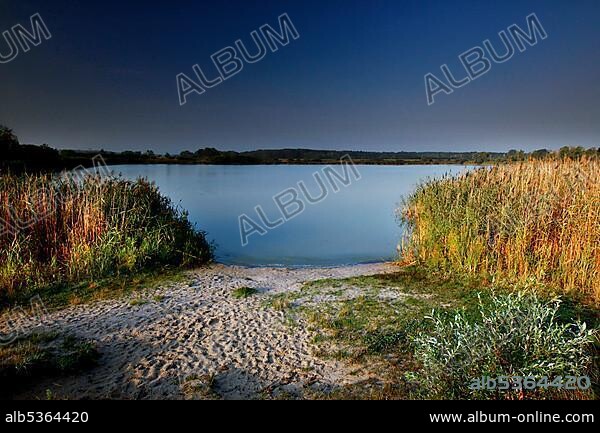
195,340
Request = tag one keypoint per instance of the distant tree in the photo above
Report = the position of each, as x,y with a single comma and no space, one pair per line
132,153
207,152
540,153
516,155
186,154
482,157
8,140
564,152
571,152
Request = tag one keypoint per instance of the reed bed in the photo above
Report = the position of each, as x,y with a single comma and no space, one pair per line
64,230
536,221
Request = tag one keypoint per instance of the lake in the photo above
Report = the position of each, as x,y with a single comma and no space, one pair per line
356,224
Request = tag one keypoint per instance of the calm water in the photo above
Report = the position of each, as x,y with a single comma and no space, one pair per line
355,225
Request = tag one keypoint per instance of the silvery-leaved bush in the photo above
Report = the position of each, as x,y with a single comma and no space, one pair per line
515,335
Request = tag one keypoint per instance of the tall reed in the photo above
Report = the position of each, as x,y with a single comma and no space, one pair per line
65,230
537,220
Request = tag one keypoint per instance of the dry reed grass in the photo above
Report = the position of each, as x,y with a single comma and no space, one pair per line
66,230
534,221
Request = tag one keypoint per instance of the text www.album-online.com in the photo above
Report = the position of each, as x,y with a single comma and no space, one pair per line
535,417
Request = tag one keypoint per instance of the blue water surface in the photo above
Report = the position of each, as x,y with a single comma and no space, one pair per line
357,224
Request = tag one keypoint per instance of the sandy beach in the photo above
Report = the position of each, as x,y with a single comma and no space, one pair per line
194,339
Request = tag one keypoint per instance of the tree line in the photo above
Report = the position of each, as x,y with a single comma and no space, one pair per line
16,157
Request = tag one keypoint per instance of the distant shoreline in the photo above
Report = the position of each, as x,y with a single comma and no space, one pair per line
20,158
333,162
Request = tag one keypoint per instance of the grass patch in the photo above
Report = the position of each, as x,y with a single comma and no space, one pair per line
244,292
372,316
200,387
371,322
138,302
40,356
63,295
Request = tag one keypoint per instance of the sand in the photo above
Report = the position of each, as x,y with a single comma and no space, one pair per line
196,340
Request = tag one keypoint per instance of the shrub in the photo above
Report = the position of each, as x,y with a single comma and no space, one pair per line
73,230
511,335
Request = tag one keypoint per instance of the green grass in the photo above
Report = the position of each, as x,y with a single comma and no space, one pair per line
41,356
383,306
369,322
138,302
200,387
244,292
63,295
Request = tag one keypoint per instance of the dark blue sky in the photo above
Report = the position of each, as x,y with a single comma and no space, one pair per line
353,80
